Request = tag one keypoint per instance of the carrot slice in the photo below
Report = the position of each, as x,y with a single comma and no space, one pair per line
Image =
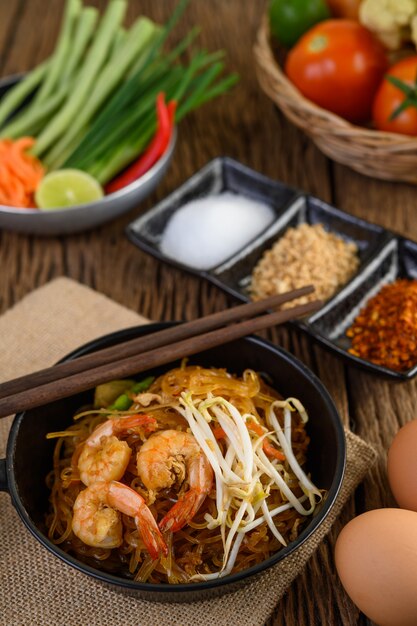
218,432
20,172
269,449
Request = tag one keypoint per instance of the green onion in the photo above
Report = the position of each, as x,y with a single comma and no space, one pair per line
62,50
143,385
83,32
97,153
109,79
118,42
101,130
15,97
131,124
36,114
123,403
128,90
92,64
91,106
33,117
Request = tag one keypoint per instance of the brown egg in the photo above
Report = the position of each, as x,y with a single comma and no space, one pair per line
376,559
402,467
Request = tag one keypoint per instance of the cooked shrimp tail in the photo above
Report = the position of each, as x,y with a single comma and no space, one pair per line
168,457
120,426
182,512
151,535
95,521
130,502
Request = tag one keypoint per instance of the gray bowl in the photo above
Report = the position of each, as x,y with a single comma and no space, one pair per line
84,216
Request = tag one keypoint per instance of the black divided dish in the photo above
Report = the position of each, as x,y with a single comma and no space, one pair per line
383,255
28,447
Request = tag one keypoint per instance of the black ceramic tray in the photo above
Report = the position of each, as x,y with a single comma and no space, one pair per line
384,256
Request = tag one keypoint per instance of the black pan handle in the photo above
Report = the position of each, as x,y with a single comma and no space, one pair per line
3,476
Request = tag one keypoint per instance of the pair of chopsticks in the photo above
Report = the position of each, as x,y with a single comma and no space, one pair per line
144,353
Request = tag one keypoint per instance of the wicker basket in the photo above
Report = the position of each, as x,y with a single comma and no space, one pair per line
388,156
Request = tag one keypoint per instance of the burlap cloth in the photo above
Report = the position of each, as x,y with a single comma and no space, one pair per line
38,589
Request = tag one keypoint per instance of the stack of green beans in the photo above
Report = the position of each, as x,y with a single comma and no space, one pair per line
91,105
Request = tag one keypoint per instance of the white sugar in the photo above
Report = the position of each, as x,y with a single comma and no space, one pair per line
207,231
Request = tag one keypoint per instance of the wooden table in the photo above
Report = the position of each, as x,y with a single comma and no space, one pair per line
245,126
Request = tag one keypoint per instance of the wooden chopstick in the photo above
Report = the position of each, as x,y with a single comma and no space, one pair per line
149,342
127,366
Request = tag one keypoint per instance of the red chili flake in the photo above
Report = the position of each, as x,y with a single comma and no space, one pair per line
385,330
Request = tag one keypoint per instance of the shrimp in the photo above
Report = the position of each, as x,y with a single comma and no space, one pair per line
94,521
97,521
165,458
104,456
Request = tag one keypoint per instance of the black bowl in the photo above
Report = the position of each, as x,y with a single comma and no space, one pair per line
29,448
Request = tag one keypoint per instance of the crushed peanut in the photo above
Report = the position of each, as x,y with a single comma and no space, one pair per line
305,255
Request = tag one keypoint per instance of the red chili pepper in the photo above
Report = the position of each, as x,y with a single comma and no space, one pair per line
165,124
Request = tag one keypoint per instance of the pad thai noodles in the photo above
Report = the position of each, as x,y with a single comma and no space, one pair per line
184,478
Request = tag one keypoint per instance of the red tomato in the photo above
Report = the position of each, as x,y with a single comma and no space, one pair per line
389,97
338,65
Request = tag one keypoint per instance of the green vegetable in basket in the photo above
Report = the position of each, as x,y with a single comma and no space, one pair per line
289,19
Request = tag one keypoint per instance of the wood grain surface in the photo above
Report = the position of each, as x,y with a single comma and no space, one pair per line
245,126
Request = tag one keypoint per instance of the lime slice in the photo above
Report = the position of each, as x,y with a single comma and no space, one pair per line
65,188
